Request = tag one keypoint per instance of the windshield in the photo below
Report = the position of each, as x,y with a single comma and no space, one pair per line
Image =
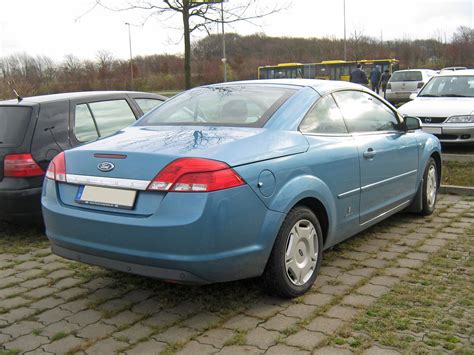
449,86
232,105
406,76
13,124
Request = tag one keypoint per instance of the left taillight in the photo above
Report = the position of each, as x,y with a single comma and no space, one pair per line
21,165
195,175
57,168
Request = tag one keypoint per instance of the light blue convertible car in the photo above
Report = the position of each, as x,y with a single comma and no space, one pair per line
239,180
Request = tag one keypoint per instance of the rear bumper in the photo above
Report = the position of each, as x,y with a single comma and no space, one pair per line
21,205
191,238
397,97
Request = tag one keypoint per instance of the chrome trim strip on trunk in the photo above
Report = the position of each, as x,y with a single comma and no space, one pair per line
108,182
375,184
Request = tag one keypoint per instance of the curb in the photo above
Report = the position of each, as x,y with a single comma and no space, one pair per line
456,190
458,157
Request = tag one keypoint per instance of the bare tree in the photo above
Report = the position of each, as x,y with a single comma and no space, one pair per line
197,15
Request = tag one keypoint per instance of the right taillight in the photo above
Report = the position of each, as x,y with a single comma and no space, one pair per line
195,175
57,168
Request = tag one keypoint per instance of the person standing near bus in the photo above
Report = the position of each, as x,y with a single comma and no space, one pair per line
375,75
384,80
358,76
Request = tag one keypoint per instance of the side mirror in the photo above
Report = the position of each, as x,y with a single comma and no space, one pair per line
412,123
413,96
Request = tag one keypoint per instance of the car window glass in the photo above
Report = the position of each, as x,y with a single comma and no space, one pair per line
14,122
112,116
364,112
147,104
84,127
324,117
406,76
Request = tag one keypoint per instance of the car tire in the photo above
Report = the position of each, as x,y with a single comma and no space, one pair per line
430,188
296,255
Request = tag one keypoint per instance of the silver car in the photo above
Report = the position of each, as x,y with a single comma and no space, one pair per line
445,106
403,83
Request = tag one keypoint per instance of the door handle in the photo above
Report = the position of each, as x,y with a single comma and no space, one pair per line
369,153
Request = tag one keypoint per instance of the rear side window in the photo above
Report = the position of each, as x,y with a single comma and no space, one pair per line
365,113
324,118
406,76
13,125
147,104
101,119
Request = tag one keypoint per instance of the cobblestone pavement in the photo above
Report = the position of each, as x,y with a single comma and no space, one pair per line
51,305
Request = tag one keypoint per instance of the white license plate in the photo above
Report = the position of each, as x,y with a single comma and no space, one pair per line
432,130
107,197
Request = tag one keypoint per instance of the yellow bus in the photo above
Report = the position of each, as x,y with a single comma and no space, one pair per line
328,70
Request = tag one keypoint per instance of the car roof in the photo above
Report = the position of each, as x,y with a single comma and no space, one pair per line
465,72
321,86
32,100
408,70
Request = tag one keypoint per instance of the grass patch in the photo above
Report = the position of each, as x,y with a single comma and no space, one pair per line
458,173
237,339
58,336
18,239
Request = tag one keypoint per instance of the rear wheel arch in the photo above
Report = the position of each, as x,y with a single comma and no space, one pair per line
319,210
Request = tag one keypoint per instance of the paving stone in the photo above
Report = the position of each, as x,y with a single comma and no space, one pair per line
418,256
410,263
46,303
106,346
216,337
356,255
374,263
388,281
373,290
437,242
282,349
12,291
448,236
201,321
103,294
72,293
349,280
96,330
358,300
34,283
330,271
26,343
364,271
242,322
325,325
408,242
194,347
52,258
27,266
134,333
17,314
149,306
115,305
377,242
334,290
10,280
368,248
321,281
13,302
63,345
455,230
161,319
375,350
123,318
98,283
342,263
6,272
85,317
342,312
262,310
29,274
40,292
76,306
387,255
279,322
300,311
138,295
147,347
52,266
52,316
306,339
429,248
317,299
239,349
5,338
21,328
262,338
175,334
398,248
184,309
397,271
332,350
59,327
67,283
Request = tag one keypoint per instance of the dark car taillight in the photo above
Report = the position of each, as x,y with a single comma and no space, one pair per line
21,165
57,168
389,86
195,175
420,85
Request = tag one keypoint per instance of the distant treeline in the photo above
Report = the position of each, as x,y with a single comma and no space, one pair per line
40,75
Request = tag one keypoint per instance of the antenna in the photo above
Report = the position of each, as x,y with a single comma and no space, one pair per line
11,83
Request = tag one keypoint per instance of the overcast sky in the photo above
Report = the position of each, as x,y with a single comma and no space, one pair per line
52,27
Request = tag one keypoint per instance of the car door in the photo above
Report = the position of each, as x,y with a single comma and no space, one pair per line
388,155
333,158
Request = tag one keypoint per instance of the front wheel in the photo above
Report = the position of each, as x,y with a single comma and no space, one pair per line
296,255
430,187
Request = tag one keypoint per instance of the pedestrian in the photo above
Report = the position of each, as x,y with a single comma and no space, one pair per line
358,76
384,80
375,75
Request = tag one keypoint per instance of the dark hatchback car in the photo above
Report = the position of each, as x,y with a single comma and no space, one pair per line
34,129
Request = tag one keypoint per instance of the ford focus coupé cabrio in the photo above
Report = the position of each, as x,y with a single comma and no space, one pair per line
239,180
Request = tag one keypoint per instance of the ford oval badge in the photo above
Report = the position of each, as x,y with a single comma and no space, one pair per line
106,166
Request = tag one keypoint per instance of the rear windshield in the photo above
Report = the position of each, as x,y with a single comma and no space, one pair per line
13,124
407,76
232,105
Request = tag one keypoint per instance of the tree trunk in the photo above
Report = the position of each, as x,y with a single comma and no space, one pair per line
187,45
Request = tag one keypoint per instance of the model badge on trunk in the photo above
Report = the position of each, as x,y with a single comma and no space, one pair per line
106,166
